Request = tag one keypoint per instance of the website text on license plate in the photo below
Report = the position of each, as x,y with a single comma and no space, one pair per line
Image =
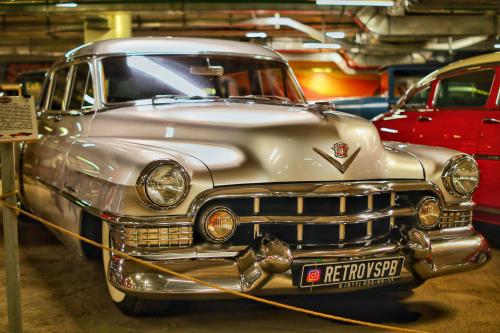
351,274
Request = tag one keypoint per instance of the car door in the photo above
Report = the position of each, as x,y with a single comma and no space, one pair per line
41,162
399,125
62,124
30,157
488,155
457,111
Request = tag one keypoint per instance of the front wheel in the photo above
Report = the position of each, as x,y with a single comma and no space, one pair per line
129,305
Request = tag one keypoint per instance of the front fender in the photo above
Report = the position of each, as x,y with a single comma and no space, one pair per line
433,161
102,173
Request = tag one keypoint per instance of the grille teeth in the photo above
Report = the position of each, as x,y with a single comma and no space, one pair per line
308,220
455,219
170,236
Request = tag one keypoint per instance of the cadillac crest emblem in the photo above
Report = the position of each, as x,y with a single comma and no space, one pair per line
341,149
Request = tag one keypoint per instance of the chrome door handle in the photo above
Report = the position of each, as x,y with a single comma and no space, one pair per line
491,121
422,118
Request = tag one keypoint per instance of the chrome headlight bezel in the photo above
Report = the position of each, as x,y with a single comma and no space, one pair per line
144,177
447,175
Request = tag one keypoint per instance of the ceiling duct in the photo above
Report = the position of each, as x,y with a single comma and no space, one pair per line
382,24
451,5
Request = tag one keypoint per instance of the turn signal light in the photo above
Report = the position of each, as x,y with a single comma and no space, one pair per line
219,224
429,213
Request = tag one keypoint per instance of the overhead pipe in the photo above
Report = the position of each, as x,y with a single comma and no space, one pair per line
454,45
278,21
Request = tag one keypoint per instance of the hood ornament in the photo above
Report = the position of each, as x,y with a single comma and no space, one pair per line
341,150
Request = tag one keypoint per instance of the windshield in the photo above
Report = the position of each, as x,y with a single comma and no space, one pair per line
130,78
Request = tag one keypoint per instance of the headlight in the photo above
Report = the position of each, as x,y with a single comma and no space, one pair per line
163,184
461,175
218,224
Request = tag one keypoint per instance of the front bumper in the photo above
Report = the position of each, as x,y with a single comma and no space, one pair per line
267,268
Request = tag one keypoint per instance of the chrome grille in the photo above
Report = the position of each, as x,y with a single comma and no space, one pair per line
455,219
306,220
165,236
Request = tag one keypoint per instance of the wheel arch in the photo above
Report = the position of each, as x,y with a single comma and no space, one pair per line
91,228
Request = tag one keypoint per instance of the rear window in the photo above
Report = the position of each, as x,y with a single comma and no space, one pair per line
468,89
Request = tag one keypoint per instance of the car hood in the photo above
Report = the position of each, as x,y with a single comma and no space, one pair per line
243,143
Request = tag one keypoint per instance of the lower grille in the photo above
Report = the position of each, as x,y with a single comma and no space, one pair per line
456,219
169,236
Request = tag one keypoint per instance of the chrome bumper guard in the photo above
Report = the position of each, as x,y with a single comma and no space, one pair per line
266,267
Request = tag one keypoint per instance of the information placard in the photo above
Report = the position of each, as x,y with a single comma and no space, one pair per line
17,119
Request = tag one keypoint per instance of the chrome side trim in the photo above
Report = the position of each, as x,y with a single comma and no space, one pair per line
487,209
486,157
351,219
178,220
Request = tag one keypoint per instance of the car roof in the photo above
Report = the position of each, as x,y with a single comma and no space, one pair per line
172,45
484,59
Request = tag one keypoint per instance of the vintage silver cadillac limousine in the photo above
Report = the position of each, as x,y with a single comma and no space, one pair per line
202,156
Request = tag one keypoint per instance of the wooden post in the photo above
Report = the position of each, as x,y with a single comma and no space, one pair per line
11,239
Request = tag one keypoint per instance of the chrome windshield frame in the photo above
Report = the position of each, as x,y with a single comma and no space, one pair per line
100,75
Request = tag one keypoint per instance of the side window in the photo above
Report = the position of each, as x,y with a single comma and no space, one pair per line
419,100
468,89
60,78
42,99
82,93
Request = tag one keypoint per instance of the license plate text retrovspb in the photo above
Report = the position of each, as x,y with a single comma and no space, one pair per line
352,274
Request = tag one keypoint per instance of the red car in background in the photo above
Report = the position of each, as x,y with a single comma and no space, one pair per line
456,107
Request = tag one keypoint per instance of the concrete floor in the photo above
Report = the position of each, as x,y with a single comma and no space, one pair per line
62,293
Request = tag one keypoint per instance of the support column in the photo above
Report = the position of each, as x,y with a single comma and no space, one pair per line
113,25
11,239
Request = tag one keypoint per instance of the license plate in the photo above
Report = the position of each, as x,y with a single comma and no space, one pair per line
352,274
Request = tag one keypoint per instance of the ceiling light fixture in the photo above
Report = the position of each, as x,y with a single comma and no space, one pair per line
335,34
256,34
67,4
377,3
320,46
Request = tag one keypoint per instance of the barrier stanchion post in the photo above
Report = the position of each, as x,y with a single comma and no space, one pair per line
17,123
11,239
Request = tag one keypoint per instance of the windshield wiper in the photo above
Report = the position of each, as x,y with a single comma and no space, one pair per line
267,98
156,98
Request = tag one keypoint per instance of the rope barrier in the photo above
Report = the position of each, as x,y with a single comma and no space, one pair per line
6,195
204,283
